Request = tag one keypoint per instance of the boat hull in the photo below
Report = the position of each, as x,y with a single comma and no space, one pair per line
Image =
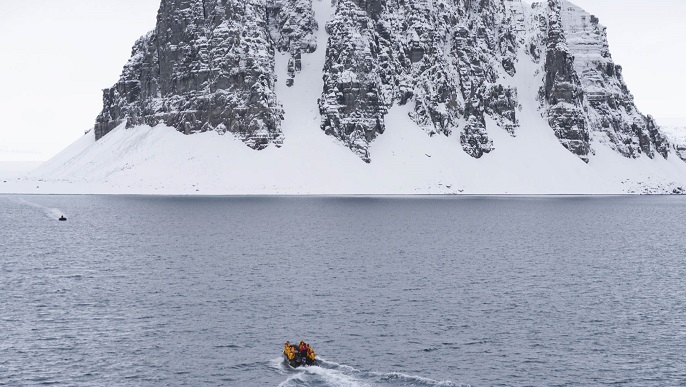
299,361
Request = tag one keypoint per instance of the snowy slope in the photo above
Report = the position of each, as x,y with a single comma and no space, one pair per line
161,160
14,169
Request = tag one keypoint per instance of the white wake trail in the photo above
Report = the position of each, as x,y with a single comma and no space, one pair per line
50,212
316,375
330,373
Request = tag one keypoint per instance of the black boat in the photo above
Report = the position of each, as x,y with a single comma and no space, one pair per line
62,218
296,358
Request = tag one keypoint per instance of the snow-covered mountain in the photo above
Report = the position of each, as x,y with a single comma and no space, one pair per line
476,96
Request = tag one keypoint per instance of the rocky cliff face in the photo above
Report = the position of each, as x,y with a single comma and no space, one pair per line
609,110
562,94
210,65
443,57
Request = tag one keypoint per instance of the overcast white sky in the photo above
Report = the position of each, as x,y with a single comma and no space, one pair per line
57,55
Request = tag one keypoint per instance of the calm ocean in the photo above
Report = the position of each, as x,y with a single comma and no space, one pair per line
390,291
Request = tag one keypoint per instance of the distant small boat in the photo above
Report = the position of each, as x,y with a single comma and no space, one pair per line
62,218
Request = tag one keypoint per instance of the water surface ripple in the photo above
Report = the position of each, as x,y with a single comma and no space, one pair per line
494,291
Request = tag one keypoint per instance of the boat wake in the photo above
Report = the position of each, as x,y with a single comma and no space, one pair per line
52,213
329,373
397,378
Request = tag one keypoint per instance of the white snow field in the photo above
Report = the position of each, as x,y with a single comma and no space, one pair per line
405,160
14,169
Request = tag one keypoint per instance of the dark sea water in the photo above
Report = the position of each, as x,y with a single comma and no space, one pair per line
444,291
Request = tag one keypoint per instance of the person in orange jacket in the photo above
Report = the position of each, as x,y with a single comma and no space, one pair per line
310,353
288,350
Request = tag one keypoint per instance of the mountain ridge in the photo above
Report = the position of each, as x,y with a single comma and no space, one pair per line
514,99
209,65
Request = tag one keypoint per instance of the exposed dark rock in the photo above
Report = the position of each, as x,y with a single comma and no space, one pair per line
292,27
209,65
681,151
562,92
446,60
352,106
609,109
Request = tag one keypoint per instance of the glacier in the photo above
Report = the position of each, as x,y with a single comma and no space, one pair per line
369,97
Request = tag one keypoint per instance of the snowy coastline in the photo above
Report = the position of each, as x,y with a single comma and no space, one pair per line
162,161
405,159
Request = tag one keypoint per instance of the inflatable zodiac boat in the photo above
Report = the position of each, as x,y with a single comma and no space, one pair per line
299,355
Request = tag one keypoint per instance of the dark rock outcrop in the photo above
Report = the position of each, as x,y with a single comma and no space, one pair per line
681,151
209,65
605,106
562,92
445,59
352,105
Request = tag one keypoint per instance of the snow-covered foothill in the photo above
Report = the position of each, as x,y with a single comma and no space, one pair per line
160,160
